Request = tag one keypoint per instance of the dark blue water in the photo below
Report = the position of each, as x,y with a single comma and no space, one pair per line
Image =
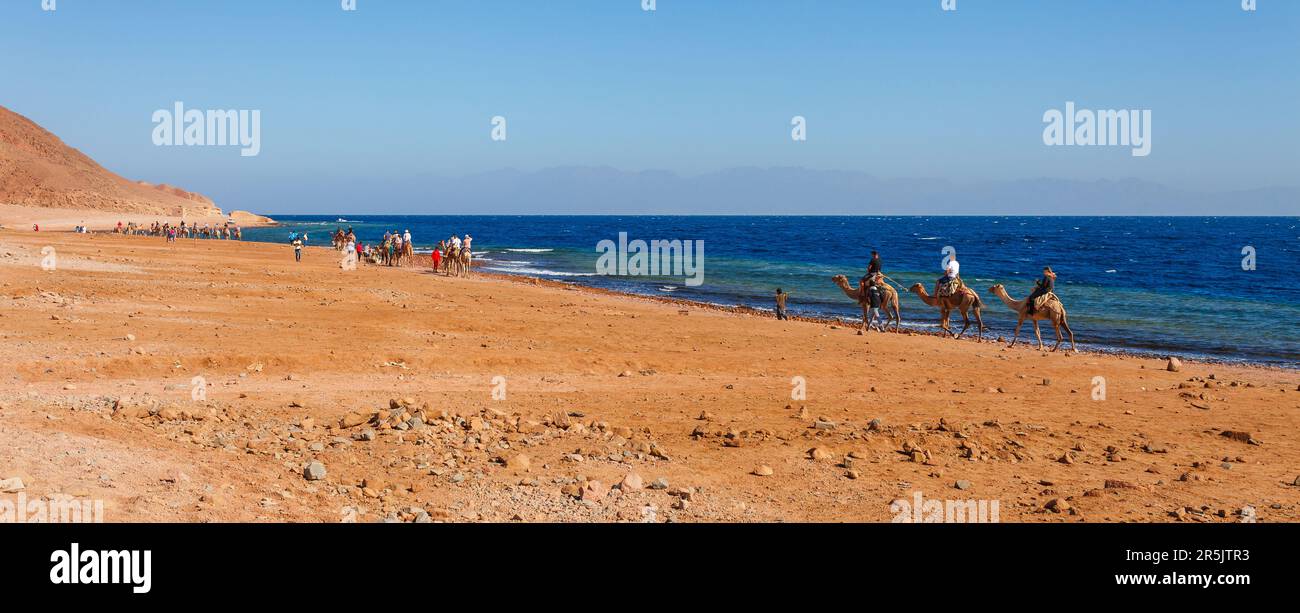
1165,285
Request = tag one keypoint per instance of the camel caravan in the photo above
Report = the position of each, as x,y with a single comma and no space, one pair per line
876,296
227,231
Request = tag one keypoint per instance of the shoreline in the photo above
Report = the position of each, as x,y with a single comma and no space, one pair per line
852,324
835,322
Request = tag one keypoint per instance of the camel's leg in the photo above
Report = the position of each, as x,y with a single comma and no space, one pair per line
1071,333
1039,335
979,321
1016,336
965,320
898,317
1056,327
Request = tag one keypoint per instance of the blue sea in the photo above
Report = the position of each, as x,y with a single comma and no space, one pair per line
1157,285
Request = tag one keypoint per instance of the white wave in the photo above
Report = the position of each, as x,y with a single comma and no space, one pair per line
540,272
930,238
531,250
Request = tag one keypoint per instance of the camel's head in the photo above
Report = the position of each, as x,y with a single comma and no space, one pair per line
840,280
916,288
997,289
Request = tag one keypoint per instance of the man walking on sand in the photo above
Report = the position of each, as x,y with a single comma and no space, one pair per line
875,297
297,249
780,305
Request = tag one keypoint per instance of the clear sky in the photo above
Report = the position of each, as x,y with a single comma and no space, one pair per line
401,89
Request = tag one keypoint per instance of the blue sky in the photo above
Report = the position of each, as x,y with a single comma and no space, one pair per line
403,89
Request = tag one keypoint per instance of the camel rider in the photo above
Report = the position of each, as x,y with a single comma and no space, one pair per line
873,269
1042,287
951,273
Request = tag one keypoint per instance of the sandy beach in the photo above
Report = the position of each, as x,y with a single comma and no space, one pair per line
220,381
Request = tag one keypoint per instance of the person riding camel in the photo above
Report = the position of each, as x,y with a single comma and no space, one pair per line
873,271
1042,287
951,274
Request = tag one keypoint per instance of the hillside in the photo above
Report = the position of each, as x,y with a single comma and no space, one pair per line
38,169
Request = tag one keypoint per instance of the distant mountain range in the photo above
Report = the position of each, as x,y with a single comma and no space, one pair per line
796,191
38,169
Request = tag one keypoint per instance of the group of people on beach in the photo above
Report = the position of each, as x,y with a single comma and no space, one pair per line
451,256
456,252
226,231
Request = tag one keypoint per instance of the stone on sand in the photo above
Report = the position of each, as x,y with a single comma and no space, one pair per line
519,463
631,483
315,471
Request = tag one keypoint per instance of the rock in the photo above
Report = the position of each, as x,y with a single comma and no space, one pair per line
631,483
662,484
12,485
594,491
763,471
962,485
1058,505
852,474
1241,437
1115,484
352,420
315,471
365,435
519,463
821,454
1174,364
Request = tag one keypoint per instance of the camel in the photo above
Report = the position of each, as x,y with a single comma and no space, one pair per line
466,264
451,262
1052,311
965,300
888,303
408,255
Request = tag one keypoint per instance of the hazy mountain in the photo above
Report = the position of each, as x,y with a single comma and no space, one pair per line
792,191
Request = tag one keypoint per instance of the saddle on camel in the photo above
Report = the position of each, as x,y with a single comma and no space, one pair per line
952,287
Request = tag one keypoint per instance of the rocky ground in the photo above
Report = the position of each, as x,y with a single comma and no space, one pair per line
210,381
